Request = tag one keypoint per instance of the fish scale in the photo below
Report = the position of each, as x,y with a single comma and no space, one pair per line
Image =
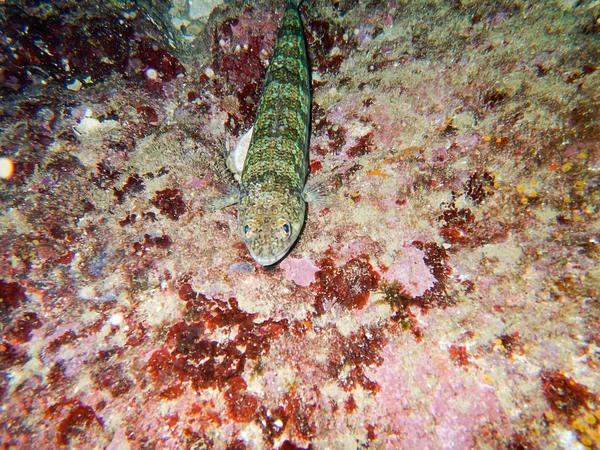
271,202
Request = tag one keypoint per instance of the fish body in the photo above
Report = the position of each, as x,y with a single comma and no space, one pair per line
271,201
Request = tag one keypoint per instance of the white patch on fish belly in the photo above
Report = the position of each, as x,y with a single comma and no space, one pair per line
237,156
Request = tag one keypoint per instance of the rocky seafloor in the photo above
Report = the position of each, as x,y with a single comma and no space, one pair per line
446,298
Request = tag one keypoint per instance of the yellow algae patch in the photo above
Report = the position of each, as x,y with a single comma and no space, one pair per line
378,173
586,440
528,190
579,425
402,154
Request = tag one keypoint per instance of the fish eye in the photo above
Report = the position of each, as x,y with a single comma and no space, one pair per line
286,228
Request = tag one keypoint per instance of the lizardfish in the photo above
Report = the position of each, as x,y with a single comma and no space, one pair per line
272,194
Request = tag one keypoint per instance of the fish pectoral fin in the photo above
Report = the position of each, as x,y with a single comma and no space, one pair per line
229,195
317,193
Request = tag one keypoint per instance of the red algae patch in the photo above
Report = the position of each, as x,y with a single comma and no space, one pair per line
191,354
565,395
575,406
509,343
457,224
436,258
134,185
241,406
170,203
363,146
349,285
352,356
76,423
22,328
458,354
479,186
400,303
329,44
12,296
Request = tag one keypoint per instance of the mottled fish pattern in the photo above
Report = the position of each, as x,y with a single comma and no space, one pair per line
271,202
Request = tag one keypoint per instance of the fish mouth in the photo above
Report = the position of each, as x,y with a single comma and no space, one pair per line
269,260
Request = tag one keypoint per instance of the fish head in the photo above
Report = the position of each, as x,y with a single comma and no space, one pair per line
270,224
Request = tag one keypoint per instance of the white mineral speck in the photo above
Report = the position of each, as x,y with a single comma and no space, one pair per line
566,439
88,292
151,74
201,8
178,22
209,72
116,319
75,85
7,168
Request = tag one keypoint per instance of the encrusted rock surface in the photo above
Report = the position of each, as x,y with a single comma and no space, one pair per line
447,297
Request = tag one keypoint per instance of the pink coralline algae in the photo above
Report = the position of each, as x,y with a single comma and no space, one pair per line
299,270
410,270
